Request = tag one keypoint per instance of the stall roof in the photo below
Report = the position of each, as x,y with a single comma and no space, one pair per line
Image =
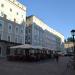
26,46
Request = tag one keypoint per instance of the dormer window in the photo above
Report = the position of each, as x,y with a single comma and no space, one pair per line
2,14
14,20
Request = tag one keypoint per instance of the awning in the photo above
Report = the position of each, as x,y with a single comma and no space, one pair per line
21,46
26,46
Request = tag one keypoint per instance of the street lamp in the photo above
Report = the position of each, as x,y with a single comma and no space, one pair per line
73,34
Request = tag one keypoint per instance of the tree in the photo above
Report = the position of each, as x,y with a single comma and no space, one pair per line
69,39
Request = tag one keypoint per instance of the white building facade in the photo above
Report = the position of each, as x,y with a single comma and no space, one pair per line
16,29
13,10
40,34
12,25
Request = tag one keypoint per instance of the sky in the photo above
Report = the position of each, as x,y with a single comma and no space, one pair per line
58,14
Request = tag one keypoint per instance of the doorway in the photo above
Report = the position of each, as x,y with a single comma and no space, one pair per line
0,51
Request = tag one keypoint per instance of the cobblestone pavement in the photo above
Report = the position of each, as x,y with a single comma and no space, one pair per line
49,67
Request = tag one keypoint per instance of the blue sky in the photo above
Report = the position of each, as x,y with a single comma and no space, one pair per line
58,14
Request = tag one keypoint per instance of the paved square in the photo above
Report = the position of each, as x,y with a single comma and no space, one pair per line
49,67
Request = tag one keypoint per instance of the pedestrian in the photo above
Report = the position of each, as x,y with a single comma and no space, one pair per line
57,57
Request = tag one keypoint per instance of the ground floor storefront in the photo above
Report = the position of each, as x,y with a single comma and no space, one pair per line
28,52
27,55
16,52
5,48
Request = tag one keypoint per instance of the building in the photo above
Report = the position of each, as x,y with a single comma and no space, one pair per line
12,25
13,11
40,40
16,29
68,47
40,34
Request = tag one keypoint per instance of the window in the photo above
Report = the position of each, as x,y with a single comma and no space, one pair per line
0,36
21,30
26,31
22,16
17,29
14,20
16,40
2,14
5,16
29,38
0,50
29,30
10,10
1,25
17,13
9,38
20,40
9,28
2,5
18,4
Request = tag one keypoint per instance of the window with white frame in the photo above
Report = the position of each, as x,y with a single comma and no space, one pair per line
16,39
0,50
0,36
10,28
21,39
2,5
22,30
10,10
2,14
17,29
9,38
1,25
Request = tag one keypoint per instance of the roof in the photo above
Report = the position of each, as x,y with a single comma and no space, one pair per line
28,46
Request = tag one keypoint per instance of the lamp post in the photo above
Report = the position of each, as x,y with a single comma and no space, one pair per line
73,34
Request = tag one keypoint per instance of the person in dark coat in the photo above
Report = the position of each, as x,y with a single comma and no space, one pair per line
57,57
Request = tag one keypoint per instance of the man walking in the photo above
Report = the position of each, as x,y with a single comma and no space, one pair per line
57,57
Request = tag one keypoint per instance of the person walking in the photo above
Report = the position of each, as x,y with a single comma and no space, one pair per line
57,57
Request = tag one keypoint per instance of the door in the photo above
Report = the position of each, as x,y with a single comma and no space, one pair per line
8,51
0,52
